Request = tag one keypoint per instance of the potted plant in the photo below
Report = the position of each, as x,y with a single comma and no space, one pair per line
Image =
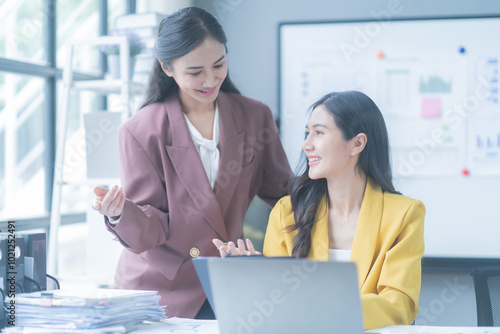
113,52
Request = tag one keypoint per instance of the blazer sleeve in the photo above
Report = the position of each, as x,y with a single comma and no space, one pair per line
398,286
276,167
275,243
145,219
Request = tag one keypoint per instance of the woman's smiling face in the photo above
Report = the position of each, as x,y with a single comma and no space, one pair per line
200,73
328,153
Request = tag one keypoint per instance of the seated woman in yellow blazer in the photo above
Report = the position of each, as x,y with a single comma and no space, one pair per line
344,206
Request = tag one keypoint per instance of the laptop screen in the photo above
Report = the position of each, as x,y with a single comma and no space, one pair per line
281,295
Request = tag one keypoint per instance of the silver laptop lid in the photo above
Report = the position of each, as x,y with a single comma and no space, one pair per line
276,295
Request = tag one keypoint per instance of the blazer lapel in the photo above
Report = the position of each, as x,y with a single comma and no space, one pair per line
231,143
366,236
187,164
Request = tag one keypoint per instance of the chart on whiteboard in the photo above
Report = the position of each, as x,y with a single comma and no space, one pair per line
440,101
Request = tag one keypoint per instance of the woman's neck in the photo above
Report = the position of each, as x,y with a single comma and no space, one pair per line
346,193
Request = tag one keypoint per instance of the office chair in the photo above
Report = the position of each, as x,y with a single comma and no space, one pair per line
487,289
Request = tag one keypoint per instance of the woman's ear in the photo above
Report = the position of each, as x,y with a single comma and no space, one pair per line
166,69
359,143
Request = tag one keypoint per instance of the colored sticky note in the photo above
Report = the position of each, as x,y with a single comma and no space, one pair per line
430,108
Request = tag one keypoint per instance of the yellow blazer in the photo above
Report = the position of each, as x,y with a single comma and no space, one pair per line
387,248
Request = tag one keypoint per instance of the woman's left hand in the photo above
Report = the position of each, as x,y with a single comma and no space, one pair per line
230,249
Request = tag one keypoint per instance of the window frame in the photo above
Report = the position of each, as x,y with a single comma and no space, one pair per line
52,74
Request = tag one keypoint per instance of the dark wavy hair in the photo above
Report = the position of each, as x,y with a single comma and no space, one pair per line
178,34
353,113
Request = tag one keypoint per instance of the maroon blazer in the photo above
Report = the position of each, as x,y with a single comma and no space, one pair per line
171,213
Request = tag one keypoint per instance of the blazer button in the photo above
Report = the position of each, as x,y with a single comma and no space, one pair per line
194,252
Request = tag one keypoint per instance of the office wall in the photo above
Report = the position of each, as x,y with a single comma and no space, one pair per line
447,298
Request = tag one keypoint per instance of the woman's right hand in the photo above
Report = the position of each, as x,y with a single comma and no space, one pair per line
230,249
109,202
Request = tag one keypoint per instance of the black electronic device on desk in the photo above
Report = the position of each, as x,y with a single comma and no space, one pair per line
3,262
35,261
3,270
13,277
23,264
23,261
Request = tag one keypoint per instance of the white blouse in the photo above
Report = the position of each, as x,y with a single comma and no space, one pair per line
339,255
207,149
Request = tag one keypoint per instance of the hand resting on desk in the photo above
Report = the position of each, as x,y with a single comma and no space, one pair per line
230,249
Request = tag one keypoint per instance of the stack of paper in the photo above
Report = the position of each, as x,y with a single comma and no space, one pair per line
89,311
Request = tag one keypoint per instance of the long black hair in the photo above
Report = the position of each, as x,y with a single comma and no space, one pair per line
353,112
178,34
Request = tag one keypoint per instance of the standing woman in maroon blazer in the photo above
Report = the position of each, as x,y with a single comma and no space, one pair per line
192,159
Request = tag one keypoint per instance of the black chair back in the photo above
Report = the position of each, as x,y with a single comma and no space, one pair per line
487,289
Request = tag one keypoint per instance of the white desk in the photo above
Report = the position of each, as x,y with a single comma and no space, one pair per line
434,330
180,325
210,327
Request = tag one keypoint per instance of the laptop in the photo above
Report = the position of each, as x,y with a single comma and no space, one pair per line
257,294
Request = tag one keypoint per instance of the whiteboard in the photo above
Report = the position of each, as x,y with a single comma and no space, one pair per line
436,82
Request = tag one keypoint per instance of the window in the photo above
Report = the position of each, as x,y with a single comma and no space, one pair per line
77,19
115,8
21,32
33,39
29,96
22,146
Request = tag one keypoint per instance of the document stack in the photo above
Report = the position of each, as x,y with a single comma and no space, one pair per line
84,311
